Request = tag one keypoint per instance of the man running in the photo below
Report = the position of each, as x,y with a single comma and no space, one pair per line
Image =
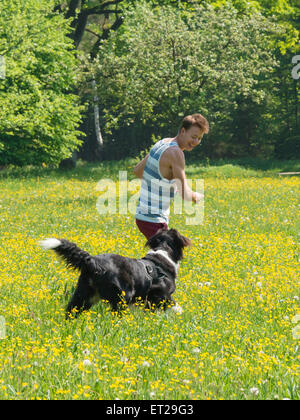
163,172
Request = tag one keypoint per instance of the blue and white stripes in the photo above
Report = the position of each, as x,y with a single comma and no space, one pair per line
157,192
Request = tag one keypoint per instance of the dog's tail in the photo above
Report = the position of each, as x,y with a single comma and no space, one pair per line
71,253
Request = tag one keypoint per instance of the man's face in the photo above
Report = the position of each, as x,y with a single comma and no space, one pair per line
191,137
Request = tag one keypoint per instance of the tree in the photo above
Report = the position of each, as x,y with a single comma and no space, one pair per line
92,21
162,65
39,114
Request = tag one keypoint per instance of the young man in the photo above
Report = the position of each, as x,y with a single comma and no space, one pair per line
163,172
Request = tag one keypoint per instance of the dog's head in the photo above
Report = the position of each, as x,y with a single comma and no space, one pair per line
170,241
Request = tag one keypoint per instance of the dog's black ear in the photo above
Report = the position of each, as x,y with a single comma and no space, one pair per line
156,239
181,240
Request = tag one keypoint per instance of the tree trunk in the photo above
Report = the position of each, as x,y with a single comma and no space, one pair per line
92,148
96,116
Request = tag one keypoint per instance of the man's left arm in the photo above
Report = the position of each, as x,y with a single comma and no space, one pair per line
139,169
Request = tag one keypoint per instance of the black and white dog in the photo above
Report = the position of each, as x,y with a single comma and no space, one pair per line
121,279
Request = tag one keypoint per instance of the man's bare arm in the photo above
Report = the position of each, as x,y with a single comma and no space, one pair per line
139,169
178,168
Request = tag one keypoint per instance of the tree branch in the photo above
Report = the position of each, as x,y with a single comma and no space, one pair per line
80,28
96,11
72,8
118,22
92,32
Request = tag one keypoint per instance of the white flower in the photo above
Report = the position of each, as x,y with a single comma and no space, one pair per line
146,364
86,352
177,309
196,350
186,381
86,362
254,391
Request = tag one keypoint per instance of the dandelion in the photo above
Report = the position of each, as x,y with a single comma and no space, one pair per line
177,309
254,391
146,364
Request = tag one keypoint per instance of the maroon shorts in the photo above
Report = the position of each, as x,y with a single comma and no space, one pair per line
149,228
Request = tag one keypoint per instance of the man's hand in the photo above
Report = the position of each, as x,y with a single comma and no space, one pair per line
197,197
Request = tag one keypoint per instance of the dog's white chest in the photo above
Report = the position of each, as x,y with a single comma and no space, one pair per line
165,255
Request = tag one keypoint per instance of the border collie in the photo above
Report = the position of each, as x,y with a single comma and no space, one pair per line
122,280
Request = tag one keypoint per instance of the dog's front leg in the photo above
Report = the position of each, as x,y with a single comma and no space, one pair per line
167,302
158,297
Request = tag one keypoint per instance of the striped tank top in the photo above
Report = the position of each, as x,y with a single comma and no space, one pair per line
157,192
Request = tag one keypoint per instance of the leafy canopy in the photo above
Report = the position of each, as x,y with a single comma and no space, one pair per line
163,64
39,113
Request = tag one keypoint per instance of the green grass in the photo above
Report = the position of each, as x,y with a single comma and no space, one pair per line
238,287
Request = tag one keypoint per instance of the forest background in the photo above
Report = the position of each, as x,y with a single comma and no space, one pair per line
101,79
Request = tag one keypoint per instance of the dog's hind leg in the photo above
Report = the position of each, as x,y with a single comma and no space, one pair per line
83,298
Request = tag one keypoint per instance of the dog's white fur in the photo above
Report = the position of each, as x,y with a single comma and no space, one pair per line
50,243
166,256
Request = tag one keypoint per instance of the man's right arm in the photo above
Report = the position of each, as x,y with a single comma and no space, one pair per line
178,168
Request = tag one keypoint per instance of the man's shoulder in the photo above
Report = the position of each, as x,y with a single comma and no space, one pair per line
174,153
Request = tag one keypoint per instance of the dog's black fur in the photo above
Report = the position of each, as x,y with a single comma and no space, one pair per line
119,279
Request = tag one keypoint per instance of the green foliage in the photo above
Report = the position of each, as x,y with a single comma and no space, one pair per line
288,148
40,112
161,66
283,11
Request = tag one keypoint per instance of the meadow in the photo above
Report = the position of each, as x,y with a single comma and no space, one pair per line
237,336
